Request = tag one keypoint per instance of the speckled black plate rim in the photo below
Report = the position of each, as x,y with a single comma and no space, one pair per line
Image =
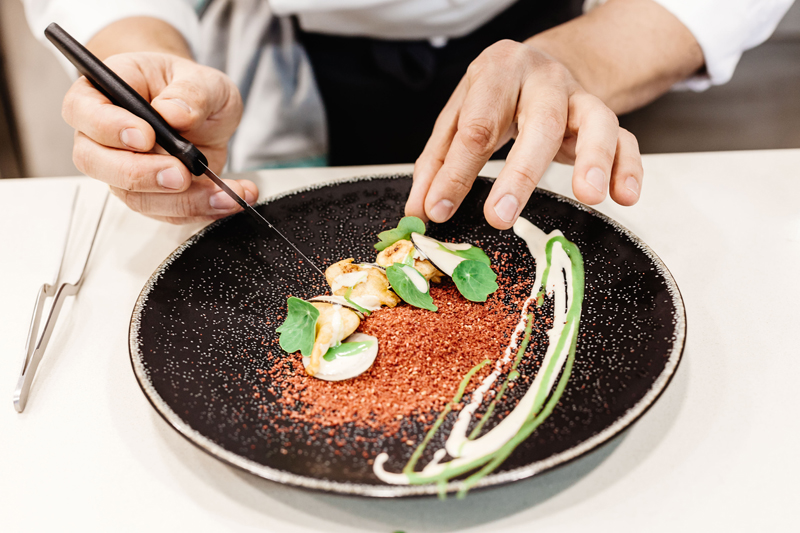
394,491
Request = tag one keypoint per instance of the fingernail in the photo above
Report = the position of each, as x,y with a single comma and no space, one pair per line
170,178
596,179
222,201
132,138
441,211
632,185
506,208
249,197
180,103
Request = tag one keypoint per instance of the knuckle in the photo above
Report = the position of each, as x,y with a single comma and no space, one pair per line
68,108
497,56
523,175
128,176
475,68
428,158
480,137
555,73
629,154
550,123
506,48
79,158
607,115
458,183
185,206
629,138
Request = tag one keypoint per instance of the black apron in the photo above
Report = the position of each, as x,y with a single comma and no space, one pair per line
382,97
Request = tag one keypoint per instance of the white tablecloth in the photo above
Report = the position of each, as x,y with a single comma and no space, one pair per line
720,451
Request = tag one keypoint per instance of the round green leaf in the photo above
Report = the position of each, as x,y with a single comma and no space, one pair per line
475,280
404,229
299,329
405,288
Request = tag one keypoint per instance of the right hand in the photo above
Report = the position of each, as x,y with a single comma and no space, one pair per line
118,148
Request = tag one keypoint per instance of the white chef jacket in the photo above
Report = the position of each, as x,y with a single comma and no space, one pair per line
284,121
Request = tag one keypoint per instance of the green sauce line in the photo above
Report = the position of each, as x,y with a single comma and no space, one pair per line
534,419
409,468
525,431
522,349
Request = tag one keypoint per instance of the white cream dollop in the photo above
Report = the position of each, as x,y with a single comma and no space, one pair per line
342,368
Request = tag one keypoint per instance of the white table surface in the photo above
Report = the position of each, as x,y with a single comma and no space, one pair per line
720,451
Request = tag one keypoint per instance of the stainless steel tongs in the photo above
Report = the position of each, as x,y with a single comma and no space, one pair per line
36,345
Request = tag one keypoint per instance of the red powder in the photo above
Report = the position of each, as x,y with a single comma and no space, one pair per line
422,358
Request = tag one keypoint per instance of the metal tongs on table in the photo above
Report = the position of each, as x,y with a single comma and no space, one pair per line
36,345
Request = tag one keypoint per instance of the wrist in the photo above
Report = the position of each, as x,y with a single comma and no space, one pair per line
625,52
138,34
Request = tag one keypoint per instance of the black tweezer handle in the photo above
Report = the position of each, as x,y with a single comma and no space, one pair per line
123,95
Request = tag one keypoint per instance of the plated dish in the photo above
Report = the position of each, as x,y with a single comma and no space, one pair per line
205,350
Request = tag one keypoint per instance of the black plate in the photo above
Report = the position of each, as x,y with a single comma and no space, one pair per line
198,331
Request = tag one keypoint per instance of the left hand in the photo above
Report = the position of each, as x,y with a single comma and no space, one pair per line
513,90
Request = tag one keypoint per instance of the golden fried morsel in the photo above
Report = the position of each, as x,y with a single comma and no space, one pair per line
375,284
330,331
397,252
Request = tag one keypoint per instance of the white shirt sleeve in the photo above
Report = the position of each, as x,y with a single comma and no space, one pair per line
725,29
85,18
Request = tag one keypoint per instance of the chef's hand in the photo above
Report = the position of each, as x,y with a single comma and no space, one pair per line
118,148
513,90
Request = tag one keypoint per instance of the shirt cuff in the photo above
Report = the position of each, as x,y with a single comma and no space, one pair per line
83,19
724,29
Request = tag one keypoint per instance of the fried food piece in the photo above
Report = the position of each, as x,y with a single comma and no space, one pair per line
398,252
374,282
335,323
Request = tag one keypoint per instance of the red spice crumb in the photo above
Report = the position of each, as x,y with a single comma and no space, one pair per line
422,359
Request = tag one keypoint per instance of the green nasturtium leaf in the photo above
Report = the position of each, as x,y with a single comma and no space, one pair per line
475,280
404,229
299,328
405,288
473,253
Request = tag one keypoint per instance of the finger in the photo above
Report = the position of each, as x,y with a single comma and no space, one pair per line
627,174
202,201
597,130
485,115
87,110
541,124
131,171
433,155
196,96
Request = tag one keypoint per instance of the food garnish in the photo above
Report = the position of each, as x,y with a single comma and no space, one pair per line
412,261
481,451
447,256
475,280
411,286
298,330
402,271
404,229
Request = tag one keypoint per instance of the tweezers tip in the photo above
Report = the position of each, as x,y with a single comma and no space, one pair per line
19,403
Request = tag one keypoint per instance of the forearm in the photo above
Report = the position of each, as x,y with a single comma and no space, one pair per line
138,34
626,52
